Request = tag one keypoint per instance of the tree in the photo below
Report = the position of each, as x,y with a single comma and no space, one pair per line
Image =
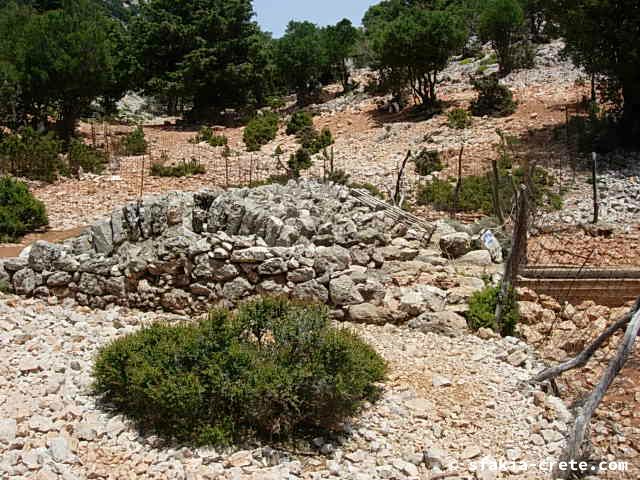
58,62
416,46
603,37
205,53
501,22
339,45
301,58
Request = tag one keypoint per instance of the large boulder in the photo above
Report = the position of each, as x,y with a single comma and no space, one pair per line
102,235
343,291
369,313
310,291
43,255
25,281
443,323
332,259
455,245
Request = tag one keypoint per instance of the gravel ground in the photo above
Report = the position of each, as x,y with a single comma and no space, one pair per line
447,403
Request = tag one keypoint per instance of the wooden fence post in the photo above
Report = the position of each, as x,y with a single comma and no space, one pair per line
594,179
518,253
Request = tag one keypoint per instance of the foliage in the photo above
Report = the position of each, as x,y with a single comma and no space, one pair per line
339,42
299,121
459,118
133,143
395,32
602,36
476,191
482,311
182,169
301,160
273,369
313,141
20,211
30,154
339,176
501,21
494,99
83,156
428,162
206,134
301,58
55,62
260,131
208,54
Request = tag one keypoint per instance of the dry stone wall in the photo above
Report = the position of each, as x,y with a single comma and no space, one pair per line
185,252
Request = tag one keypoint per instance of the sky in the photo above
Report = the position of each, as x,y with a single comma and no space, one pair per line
274,15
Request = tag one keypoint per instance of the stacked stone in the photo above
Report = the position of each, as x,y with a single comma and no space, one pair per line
185,252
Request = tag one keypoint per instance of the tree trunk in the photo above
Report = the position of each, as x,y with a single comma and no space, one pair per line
66,125
631,113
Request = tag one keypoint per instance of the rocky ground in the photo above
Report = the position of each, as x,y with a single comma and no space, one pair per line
560,332
449,402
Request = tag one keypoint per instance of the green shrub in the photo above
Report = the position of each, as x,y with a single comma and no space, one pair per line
206,134
182,169
494,99
273,369
482,308
83,156
299,121
301,160
428,162
313,141
459,118
20,211
5,287
338,176
31,154
133,143
476,192
260,131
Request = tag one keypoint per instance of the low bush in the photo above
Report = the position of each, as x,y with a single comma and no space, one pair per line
31,154
20,211
482,311
428,162
299,121
459,119
88,158
260,131
313,141
273,369
182,169
134,143
476,192
206,134
338,176
494,99
301,160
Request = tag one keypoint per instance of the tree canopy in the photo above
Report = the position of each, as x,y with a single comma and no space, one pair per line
57,62
603,36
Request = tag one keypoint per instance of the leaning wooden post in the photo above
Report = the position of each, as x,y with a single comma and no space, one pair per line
518,253
594,179
576,438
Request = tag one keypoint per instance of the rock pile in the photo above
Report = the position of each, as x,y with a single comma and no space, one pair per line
316,242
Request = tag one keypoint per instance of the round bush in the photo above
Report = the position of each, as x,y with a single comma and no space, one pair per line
271,369
299,121
20,211
482,311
